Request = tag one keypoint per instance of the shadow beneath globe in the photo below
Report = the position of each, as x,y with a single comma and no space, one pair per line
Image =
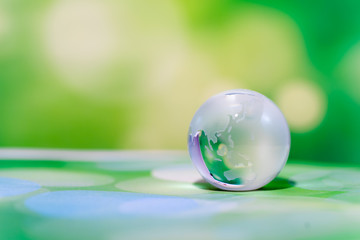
277,184
202,184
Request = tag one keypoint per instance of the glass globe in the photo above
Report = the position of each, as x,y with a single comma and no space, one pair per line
239,140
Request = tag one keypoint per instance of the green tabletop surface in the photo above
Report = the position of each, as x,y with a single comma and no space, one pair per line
48,194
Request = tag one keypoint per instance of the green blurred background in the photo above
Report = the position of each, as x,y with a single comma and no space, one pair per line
130,74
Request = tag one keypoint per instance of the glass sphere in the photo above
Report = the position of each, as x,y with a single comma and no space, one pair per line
239,140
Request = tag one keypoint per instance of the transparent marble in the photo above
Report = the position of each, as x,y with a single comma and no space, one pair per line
239,140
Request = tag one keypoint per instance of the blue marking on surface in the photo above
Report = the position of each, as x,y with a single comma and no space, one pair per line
13,187
86,203
158,206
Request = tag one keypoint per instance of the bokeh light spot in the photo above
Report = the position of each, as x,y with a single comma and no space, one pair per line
349,71
303,103
80,38
261,46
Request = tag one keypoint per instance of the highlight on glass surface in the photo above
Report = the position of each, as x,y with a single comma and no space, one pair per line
239,140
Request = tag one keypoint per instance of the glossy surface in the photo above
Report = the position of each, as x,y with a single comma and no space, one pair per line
239,140
166,199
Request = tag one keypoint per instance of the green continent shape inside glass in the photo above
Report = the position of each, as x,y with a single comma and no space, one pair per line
212,153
